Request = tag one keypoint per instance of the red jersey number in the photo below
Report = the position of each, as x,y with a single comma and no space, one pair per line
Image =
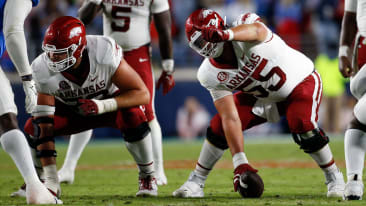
116,12
259,91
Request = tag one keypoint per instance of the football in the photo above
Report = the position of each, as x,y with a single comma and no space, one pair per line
251,185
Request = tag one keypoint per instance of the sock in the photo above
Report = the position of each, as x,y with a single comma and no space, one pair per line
141,152
208,157
51,182
156,138
324,159
354,148
76,146
15,144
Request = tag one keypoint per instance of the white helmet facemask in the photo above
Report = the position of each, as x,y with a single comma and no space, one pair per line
63,64
205,48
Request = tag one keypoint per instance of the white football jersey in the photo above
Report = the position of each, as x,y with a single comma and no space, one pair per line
270,70
128,21
358,6
104,58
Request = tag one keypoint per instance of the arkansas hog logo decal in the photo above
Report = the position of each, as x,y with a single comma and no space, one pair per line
222,76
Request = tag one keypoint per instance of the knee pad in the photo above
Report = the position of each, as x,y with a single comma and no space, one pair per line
216,140
137,133
33,136
360,109
46,153
311,141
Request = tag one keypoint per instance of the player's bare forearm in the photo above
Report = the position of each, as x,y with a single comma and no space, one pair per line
88,11
133,91
163,26
249,32
349,29
132,98
347,36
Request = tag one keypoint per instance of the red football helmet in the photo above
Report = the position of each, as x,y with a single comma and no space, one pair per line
66,38
204,18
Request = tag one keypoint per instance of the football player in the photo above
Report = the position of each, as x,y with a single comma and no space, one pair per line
83,82
128,22
271,80
352,63
13,141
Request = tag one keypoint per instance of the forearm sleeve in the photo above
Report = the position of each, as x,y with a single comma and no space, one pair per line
15,13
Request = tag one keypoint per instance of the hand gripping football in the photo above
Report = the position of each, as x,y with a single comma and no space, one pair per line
251,185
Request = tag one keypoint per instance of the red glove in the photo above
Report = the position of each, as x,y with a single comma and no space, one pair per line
214,35
240,170
167,81
87,107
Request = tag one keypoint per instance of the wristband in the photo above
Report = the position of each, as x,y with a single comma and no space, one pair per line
239,158
43,110
106,105
168,65
231,34
344,51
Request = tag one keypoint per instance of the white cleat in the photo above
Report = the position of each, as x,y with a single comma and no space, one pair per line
20,192
161,179
147,187
335,184
39,194
193,187
353,190
66,176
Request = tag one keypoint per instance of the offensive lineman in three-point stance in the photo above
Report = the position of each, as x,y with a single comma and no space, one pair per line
272,80
83,82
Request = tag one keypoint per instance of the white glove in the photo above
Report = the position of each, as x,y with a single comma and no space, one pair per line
30,95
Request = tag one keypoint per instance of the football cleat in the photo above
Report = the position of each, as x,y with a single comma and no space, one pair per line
20,192
147,187
161,178
335,184
193,187
39,194
66,176
353,190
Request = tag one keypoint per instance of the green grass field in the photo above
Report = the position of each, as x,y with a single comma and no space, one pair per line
106,175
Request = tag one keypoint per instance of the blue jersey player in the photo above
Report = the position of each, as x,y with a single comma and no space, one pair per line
13,141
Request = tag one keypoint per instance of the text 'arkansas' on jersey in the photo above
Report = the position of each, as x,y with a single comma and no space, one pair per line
125,2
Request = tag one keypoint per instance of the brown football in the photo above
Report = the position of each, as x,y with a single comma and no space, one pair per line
251,185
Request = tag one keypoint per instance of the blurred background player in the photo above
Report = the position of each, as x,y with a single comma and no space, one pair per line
13,141
129,25
83,82
270,84
352,63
